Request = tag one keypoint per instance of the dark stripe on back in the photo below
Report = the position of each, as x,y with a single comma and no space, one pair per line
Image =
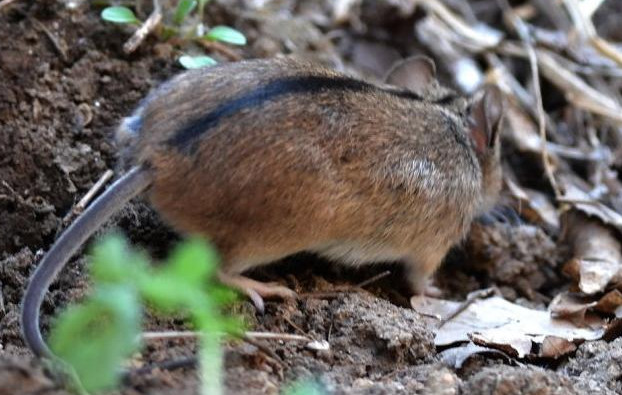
275,89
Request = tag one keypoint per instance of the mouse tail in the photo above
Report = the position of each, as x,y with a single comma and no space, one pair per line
135,181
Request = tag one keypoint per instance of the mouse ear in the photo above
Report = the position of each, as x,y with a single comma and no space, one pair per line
485,117
414,73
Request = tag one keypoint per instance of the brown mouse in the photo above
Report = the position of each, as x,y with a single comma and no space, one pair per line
267,158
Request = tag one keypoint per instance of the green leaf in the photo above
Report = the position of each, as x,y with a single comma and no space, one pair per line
119,15
168,295
108,259
196,62
192,262
184,7
202,4
226,34
95,337
113,261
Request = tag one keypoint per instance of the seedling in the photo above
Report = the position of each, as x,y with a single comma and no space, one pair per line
96,336
195,62
120,15
186,25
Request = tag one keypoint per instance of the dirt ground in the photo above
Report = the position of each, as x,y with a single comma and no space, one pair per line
64,85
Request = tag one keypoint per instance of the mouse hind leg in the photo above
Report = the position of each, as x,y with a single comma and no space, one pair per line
420,267
237,260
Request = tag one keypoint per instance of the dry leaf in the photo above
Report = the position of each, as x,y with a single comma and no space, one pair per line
611,303
583,202
578,308
554,347
513,344
495,322
455,357
572,307
597,255
534,205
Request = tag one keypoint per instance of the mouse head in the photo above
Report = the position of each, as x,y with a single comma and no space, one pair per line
483,114
484,120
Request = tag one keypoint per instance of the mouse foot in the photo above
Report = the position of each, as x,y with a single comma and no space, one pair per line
432,291
257,290
427,288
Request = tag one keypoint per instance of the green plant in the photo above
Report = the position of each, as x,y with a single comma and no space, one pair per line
95,337
186,24
120,15
195,62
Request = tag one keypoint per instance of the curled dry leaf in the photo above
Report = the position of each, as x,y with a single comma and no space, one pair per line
512,344
554,347
611,303
578,308
597,252
583,202
572,307
455,357
499,324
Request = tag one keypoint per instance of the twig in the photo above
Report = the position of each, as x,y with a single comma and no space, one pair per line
53,39
586,28
523,33
293,325
475,37
562,199
277,336
523,96
2,310
143,31
5,3
94,189
79,208
471,298
220,48
373,279
347,289
265,350
148,336
169,335
576,90
325,295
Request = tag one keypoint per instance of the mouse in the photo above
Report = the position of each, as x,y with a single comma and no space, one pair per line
270,157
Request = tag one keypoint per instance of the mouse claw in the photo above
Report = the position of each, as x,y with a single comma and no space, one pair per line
256,290
256,299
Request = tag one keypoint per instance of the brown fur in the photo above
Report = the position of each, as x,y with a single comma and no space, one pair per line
358,177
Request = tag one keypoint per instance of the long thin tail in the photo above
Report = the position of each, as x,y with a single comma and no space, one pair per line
131,184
